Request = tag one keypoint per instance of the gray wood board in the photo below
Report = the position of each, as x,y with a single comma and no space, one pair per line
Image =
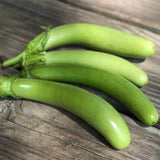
30,130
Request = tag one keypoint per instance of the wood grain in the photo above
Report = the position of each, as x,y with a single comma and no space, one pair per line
30,130
50,135
142,13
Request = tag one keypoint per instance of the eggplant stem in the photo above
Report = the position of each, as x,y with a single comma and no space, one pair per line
13,60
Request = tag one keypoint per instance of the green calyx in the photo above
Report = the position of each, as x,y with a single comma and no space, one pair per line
38,44
29,60
25,72
34,46
5,85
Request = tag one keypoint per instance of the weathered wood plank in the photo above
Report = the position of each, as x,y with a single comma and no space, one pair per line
45,15
38,131
144,13
57,137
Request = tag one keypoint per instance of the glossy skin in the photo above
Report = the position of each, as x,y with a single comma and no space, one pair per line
91,108
114,85
93,59
100,38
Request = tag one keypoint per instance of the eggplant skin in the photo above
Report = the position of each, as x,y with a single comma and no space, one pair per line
112,84
100,38
91,108
93,59
95,37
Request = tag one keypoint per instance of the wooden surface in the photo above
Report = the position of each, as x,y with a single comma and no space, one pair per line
34,131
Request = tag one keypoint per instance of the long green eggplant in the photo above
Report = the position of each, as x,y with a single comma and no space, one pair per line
114,85
92,59
93,36
91,108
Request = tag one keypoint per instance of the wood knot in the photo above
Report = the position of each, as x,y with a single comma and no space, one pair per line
8,108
